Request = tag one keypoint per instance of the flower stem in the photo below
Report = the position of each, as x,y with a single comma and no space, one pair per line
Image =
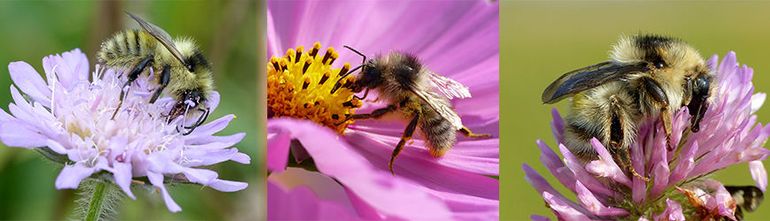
98,200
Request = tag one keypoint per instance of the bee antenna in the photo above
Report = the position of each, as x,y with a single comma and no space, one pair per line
337,85
357,52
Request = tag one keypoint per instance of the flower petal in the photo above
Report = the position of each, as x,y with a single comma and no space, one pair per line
16,134
673,212
278,150
157,180
29,81
378,188
71,175
759,174
589,201
301,203
227,185
123,177
562,209
606,166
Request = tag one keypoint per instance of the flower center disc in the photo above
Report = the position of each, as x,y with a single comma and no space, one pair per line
299,85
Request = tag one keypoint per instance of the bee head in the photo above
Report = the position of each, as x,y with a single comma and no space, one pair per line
196,62
370,77
189,101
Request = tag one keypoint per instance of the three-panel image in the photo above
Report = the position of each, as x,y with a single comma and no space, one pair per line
383,110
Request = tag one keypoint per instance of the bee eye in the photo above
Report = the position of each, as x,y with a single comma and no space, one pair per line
190,67
659,64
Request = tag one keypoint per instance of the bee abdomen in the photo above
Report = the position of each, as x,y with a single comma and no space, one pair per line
124,48
439,133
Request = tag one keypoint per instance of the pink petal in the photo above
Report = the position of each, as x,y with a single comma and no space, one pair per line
563,210
606,166
673,212
685,164
590,202
390,195
301,203
582,175
756,101
278,150
758,173
556,166
557,125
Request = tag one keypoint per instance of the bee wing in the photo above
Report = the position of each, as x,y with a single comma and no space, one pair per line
162,36
440,106
589,77
448,87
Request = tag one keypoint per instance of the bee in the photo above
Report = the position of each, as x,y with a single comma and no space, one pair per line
648,77
185,74
415,93
746,197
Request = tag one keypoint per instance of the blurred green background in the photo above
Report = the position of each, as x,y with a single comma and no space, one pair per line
227,32
539,41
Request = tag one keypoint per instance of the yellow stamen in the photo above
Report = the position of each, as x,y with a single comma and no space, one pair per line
299,85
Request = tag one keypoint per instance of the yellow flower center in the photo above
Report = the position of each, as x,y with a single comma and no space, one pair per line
299,85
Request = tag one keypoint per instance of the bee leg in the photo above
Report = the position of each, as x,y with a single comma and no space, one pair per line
654,90
199,122
138,69
665,117
165,77
404,138
617,137
365,93
468,133
697,106
375,114
630,168
201,119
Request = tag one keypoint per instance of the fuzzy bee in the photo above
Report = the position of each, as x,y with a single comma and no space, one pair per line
180,68
746,198
648,77
416,94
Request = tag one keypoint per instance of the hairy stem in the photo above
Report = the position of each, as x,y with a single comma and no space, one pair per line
98,200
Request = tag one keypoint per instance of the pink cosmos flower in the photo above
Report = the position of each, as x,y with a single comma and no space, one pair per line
67,117
346,176
729,135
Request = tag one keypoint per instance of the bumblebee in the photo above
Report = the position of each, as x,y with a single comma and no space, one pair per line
746,198
647,77
184,73
414,93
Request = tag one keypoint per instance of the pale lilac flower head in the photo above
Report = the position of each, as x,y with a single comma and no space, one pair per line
678,188
346,172
67,117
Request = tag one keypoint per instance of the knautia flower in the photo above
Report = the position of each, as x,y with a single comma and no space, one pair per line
678,186
68,117
340,171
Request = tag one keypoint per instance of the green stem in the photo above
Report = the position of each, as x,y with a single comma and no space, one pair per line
98,200
95,205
